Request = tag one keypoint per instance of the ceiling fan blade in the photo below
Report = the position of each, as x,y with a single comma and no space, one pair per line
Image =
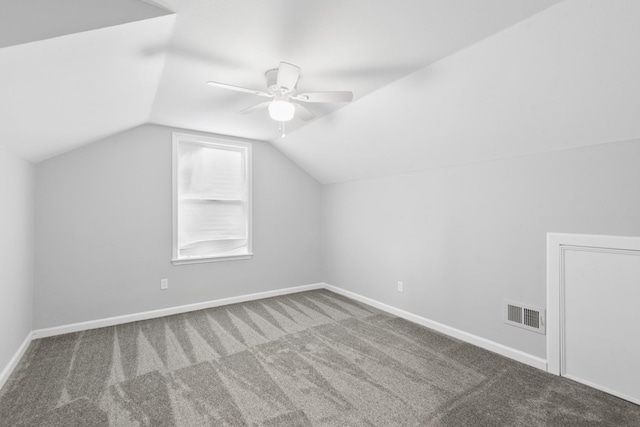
256,107
338,96
239,89
303,113
288,75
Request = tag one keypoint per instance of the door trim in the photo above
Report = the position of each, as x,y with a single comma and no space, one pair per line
557,245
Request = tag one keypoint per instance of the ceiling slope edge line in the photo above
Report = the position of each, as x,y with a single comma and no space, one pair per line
168,15
235,138
421,69
83,144
159,6
166,42
476,162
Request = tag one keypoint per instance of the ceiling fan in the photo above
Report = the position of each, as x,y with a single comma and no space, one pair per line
285,100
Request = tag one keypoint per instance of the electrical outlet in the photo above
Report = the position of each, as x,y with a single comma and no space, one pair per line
164,283
400,287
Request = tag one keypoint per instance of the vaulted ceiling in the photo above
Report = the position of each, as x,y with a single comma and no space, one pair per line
75,71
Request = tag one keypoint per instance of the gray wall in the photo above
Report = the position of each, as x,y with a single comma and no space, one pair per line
463,238
103,231
16,253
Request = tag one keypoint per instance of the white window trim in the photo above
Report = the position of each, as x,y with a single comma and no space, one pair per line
176,139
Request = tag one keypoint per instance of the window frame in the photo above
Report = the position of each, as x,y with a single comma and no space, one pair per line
178,138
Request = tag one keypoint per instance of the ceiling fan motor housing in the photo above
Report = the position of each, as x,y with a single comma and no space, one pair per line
272,82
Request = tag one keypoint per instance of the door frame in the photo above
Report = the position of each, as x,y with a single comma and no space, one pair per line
557,245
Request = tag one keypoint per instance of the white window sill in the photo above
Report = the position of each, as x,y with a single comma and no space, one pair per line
182,261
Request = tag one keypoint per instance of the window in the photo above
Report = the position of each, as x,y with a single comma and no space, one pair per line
211,199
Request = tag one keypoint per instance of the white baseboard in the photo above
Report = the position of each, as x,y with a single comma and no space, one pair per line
117,320
493,346
13,362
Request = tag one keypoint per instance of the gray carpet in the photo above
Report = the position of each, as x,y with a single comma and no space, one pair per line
312,358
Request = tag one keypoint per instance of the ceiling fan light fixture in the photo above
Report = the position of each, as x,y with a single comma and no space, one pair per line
281,110
282,89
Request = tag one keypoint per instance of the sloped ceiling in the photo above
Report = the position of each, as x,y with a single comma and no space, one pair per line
357,45
28,21
564,79
74,71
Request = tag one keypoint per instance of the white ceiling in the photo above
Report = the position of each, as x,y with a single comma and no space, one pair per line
27,21
357,45
76,73
566,78
98,67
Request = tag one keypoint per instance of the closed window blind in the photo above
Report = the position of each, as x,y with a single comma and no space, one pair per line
211,199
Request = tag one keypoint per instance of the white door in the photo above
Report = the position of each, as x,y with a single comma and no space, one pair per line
599,313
